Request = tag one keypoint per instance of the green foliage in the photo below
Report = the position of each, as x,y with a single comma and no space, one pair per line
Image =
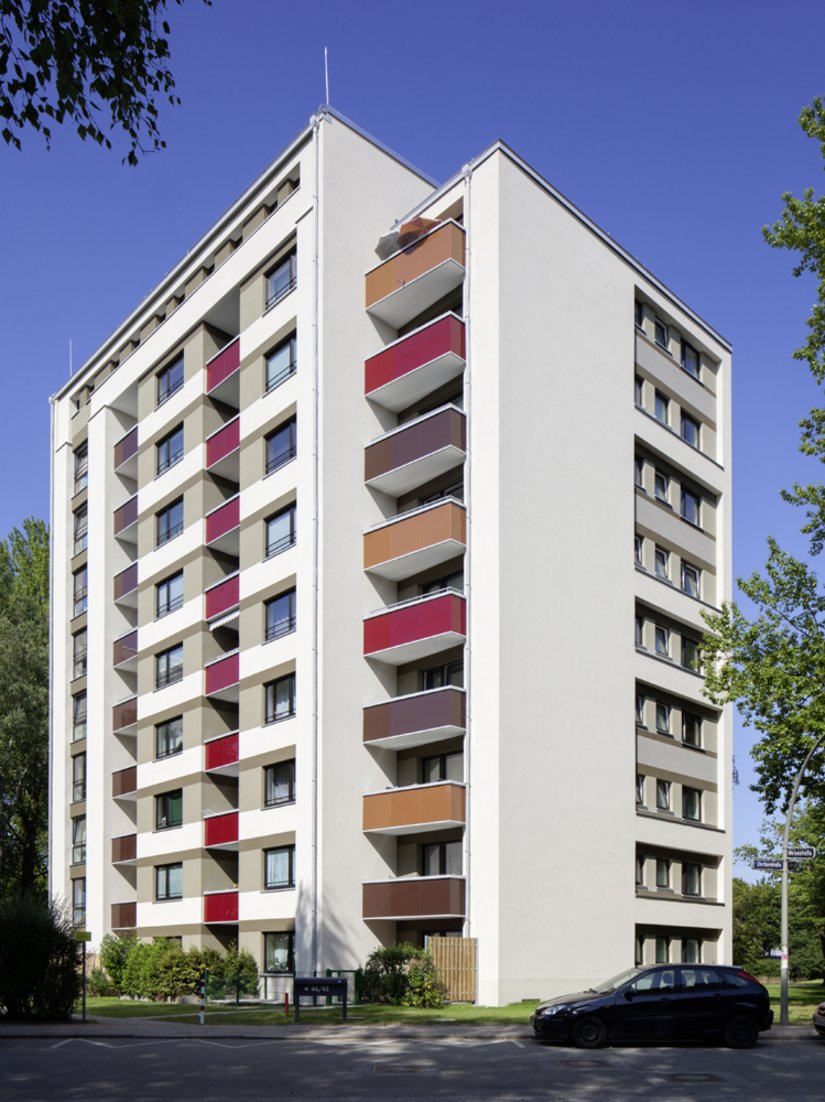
401,975
234,976
68,60
39,959
98,984
161,969
424,988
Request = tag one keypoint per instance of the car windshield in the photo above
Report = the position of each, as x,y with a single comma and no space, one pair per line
616,981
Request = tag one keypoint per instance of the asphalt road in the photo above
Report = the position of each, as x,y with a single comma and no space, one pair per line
361,1067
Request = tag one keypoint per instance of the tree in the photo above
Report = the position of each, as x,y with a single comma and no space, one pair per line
24,708
72,60
39,958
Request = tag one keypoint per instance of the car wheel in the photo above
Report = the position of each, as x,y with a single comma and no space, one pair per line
741,1033
589,1032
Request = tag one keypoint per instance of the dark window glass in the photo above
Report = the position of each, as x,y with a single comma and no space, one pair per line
441,859
78,717
691,879
169,522
690,507
281,362
660,332
79,840
79,901
442,767
281,446
279,697
79,654
439,676
169,594
690,359
169,881
169,809
169,666
81,529
280,530
691,729
639,313
691,579
78,778
691,804
280,615
279,867
279,952
81,468
279,783
80,591
169,450
169,737
690,430
170,379
690,654
281,279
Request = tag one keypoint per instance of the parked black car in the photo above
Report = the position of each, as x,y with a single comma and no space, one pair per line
819,1019
665,1002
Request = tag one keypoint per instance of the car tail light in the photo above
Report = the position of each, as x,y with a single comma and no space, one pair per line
747,976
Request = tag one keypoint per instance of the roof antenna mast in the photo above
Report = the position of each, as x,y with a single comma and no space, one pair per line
326,76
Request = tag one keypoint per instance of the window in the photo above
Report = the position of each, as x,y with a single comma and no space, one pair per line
169,737
661,487
661,408
691,580
441,859
692,804
78,778
169,666
662,795
662,638
640,709
280,446
279,783
170,380
640,631
638,550
169,881
279,952
279,867
78,717
662,873
169,594
639,473
81,530
81,468
281,362
442,767
662,950
639,313
79,840
169,522
690,359
640,870
690,430
691,951
691,729
690,654
690,508
169,809
281,279
660,332
80,590
79,901
280,615
691,878
448,581
663,718
661,560
640,951
640,788
280,531
169,450
79,653
639,390
437,677
279,699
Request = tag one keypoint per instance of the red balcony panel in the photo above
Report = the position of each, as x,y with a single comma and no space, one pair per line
220,907
222,597
124,848
223,519
124,781
220,830
222,751
124,916
416,365
220,367
400,628
224,441
126,447
124,714
125,648
222,674
126,581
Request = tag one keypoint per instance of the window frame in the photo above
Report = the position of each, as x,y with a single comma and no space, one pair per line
691,656
288,884
442,855
277,629
171,459
664,496
269,772
165,726
658,324
270,689
640,789
80,658
167,670
80,595
697,374
275,462
173,604
163,872
288,260
689,496
692,716
290,342
666,712
663,633
693,589
80,529
81,467
663,870
641,701
165,532
688,794
689,869
284,542
79,721
79,907
661,408
173,799
664,794
169,372
78,778
661,555
78,840
686,420
289,936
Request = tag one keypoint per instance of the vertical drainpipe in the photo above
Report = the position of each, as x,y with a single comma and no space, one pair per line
468,468
316,123
53,409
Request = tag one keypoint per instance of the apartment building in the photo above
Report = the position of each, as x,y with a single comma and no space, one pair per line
382,533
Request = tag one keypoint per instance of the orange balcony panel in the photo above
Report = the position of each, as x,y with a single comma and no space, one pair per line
124,849
222,526
220,907
414,366
124,649
124,916
124,782
124,715
221,754
223,450
417,541
417,452
221,830
416,719
223,596
415,897
416,629
411,810
125,450
222,677
417,277
222,372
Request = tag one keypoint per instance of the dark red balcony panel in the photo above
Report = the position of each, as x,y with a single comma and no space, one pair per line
124,916
223,450
126,449
416,365
222,374
125,519
223,596
222,677
418,452
124,715
124,649
415,897
417,719
416,629
124,781
124,849
221,830
223,526
221,754
125,586
220,906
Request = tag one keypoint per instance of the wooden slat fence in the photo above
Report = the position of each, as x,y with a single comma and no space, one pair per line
455,959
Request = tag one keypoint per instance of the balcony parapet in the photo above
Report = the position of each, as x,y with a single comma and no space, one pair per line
221,753
223,374
416,628
220,907
417,540
416,277
416,364
412,810
416,719
416,452
414,897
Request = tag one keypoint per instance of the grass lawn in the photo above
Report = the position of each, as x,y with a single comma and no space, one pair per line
803,999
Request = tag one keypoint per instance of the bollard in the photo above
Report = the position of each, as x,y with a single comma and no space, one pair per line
286,1004
202,992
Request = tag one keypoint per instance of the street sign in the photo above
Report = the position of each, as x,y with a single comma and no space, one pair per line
83,935
767,863
804,852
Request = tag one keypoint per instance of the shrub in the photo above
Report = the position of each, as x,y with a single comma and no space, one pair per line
233,976
401,975
99,985
39,959
423,985
114,952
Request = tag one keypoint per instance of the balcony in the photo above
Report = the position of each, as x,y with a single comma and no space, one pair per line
416,365
124,783
124,849
222,677
415,278
223,527
420,807
219,907
125,586
124,652
125,521
223,596
415,629
125,454
416,452
124,717
416,541
416,720
414,897
221,754
124,916
223,451
221,831
223,374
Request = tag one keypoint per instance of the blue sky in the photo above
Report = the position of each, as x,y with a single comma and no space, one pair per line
673,126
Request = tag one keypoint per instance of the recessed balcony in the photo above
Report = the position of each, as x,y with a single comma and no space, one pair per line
412,810
124,717
415,278
417,719
220,907
223,527
416,629
223,596
221,754
414,897
125,586
415,365
124,849
223,374
124,916
416,541
416,452
124,652
124,783
220,831
125,521
222,676
125,454
223,450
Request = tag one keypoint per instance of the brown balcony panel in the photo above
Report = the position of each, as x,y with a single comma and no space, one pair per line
416,453
417,277
125,586
415,897
126,516
124,649
416,720
124,715
124,916
124,848
124,781
410,544
411,810
124,451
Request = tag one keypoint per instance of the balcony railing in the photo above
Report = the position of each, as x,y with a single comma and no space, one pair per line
125,453
220,907
124,715
415,897
417,364
125,586
221,830
124,782
221,754
416,452
223,596
416,541
222,676
124,916
222,526
223,374
417,277
223,450
125,520
124,651
417,808
124,849
417,719
417,628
